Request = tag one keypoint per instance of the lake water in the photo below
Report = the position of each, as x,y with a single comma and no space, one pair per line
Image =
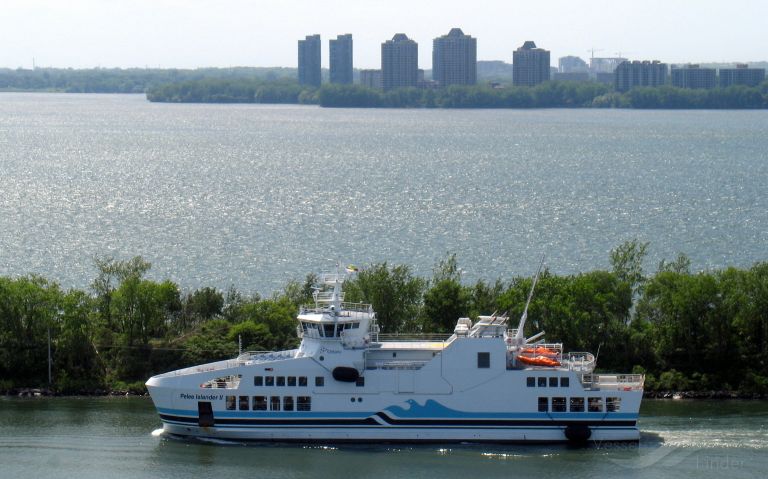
113,437
255,195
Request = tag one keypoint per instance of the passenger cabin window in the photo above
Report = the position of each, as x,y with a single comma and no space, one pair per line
231,403
288,403
542,382
302,381
269,380
483,360
565,382
244,403
613,404
258,380
553,382
558,404
274,403
259,403
595,405
577,404
543,404
281,380
303,403
319,381
530,381
292,381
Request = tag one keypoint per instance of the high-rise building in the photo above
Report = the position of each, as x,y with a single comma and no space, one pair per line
530,65
454,59
692,76
571,64
370,78
605,64
309,61
399,62
341,59
639,73
741,75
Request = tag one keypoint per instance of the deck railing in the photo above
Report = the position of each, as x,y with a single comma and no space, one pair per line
382,337
580,362
412,365
618,382
345,307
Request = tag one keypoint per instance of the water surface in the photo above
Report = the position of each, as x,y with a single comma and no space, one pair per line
112,437
255,195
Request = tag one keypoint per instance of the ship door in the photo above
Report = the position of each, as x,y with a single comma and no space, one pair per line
205,414
405,378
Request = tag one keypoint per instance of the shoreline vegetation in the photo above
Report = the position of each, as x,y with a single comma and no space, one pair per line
702,334
279,86
551,94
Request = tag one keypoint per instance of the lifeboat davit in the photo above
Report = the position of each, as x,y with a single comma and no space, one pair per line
539,361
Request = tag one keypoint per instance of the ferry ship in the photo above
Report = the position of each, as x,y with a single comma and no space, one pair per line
346,382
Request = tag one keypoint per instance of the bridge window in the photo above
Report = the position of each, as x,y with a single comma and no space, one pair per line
577,404
553,382
613,404
484,360
231,403
543,404
281,380
292,381
542,382
274,403
329,330
558,404
288,403
319,381
244,406
530,381
258,380
565,382
259,403
269,380
302,381
303,403
360,382
595,404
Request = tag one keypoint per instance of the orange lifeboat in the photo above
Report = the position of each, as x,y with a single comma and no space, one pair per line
540,351
539,361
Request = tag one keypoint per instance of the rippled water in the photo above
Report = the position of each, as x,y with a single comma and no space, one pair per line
113,437
254,195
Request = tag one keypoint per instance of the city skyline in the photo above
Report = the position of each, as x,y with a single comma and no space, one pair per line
199,33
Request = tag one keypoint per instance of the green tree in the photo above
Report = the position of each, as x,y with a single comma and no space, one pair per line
627,263
395,294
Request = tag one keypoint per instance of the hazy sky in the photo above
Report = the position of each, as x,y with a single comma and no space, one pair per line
195,33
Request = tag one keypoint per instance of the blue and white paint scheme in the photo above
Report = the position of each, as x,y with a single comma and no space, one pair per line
348,383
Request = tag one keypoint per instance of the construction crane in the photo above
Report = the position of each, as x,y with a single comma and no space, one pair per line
592,52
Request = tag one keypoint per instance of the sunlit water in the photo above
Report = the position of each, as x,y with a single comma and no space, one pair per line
255,195
117,437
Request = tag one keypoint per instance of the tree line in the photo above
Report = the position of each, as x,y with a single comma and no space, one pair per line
552,94
128,80
686,330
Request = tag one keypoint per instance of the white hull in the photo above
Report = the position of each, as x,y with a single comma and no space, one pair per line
358,434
